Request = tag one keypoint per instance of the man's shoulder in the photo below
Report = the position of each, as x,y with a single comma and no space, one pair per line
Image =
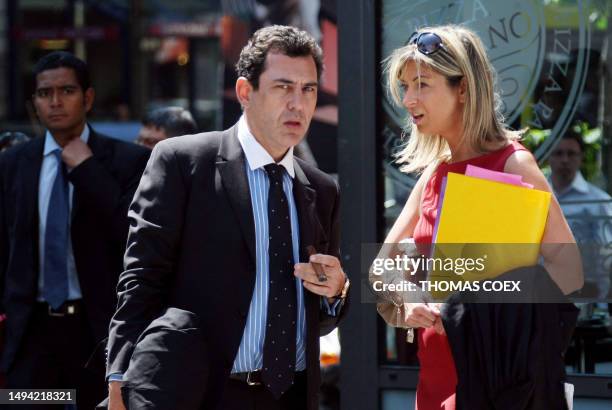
597,193
18,151
193,145
127,149
317,178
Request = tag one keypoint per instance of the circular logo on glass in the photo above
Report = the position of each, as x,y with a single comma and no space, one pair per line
539,51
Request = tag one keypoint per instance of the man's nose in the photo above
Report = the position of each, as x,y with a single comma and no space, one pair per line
296,101
55,98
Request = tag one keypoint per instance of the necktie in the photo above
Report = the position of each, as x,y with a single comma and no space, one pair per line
279,344
55,289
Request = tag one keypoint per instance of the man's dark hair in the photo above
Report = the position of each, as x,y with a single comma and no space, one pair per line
571,134
286,40
59,59
174,121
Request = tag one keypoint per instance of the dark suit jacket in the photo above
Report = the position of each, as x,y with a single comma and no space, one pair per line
103,188
192,246
509,356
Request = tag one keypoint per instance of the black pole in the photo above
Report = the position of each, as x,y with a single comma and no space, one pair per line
359,187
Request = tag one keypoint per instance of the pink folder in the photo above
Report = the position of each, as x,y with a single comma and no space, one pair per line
483,173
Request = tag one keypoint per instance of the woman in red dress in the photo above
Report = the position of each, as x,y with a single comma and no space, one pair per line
443,78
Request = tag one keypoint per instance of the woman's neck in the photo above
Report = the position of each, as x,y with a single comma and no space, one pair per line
459,150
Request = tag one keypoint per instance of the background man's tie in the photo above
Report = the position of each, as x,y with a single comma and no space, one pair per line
55,289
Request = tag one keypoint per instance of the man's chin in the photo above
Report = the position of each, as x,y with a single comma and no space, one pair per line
293,139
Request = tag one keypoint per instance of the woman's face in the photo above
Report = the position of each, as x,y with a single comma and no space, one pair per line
435,107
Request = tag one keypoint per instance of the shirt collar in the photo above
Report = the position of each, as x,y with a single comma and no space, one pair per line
256,155
580,184
52,145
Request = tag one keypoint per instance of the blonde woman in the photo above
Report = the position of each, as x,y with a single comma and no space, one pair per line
443,78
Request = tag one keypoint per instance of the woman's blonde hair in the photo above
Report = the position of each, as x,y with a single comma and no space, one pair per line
463,57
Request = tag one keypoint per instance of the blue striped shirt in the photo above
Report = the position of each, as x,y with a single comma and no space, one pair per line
250,352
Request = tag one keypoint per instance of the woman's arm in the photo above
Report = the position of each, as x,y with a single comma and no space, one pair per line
410,314
561,255
406,222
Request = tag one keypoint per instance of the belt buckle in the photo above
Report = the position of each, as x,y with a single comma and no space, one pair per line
250,382
54,313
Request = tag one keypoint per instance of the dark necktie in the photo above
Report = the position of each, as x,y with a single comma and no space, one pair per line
279,344
55,289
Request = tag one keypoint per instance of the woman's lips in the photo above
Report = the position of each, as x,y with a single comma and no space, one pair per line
417,119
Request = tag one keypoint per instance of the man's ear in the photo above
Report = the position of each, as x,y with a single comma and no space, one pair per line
243,91
462,90
88,98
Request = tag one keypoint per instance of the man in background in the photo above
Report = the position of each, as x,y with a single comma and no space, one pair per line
165,122
588,210
63,228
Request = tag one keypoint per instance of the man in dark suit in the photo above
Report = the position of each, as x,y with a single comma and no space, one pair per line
220,226
63,226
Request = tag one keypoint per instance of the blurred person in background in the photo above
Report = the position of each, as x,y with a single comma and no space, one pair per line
165,122
63,228
588,210
11,138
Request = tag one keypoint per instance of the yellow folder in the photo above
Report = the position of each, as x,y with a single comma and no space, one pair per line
481,218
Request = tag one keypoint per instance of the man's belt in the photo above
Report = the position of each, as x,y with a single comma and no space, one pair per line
251,378
254,378
69,308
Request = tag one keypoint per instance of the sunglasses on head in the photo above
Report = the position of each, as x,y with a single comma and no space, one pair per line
426,42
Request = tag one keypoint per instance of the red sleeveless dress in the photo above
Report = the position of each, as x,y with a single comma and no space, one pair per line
437,376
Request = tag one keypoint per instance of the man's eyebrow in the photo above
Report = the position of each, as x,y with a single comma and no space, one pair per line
291,82
59,86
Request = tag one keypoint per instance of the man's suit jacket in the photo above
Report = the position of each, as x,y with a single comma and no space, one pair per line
192,246
104,185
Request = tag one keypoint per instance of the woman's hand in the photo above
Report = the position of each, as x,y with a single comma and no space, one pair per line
423,315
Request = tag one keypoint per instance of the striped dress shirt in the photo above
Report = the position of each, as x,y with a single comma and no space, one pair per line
250,352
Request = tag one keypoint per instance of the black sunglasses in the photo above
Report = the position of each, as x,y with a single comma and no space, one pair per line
427,43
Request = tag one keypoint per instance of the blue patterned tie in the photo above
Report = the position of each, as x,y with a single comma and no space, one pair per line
279,344
55,290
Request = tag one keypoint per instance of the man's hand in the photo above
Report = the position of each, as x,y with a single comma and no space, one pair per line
75,152
115,401
335,276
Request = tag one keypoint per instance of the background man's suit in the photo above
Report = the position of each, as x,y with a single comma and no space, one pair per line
103,188
192,246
